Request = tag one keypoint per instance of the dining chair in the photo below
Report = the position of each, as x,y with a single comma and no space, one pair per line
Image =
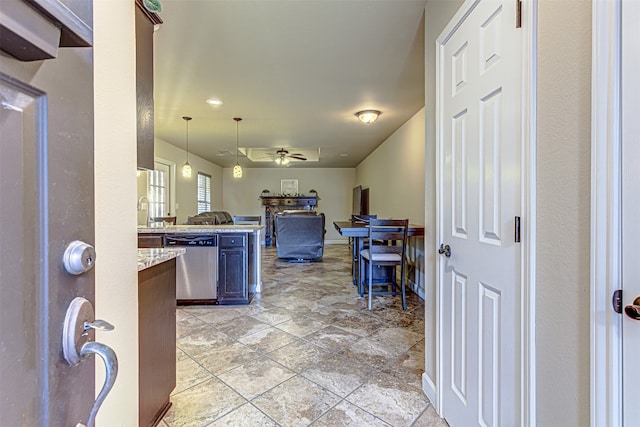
247,219
393,231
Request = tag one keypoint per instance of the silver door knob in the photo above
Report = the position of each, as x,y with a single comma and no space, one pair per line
79,257
633,310
445,250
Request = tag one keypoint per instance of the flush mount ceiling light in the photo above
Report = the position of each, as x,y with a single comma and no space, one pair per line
186,169
368,116
214,101
237,170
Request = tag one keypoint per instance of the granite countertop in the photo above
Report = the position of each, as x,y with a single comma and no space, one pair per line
154,256
189,229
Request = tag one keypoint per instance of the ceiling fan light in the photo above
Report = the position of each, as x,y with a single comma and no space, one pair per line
237,171
285,161
368,116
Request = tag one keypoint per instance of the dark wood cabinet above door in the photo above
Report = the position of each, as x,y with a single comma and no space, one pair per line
145,22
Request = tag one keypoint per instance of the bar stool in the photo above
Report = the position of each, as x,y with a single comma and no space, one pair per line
391,230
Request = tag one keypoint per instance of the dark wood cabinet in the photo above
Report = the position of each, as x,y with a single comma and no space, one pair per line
149,240
233,272
145,22
157,340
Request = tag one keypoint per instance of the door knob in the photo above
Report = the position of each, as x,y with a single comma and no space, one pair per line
633,310
445,250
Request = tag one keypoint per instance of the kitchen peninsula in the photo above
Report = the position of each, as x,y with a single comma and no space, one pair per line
156,331
222,264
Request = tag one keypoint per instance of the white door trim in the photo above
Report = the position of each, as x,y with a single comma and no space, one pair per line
528,209
606,187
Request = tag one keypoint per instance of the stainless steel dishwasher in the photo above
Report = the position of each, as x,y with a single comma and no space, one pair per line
197,269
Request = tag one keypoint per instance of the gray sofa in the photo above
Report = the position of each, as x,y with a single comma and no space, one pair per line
299,235
211,218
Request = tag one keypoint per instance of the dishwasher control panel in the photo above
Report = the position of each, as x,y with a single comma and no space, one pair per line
191,240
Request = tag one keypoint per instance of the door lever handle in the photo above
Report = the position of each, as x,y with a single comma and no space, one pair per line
445,250
111,367
633,310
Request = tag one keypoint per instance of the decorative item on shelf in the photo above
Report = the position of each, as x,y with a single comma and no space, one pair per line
237,170
289,187
186,169
313,192
368,116
265,192
153,6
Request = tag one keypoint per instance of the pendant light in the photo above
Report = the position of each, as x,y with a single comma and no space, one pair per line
186,169
237,170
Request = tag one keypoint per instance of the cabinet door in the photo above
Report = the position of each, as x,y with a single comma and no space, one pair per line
232,273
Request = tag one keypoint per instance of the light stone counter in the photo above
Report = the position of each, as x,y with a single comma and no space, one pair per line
154,256
195,229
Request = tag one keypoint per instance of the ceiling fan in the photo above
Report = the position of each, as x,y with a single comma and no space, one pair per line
282,157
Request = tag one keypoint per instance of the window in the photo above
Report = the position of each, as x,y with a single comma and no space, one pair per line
204,192
158,199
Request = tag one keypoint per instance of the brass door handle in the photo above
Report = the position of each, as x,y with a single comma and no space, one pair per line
633,310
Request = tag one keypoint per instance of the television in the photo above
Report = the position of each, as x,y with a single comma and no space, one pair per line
360,201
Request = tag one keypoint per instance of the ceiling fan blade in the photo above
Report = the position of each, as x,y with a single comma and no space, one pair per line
297,156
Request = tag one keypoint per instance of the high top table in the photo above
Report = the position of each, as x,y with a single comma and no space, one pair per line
360,230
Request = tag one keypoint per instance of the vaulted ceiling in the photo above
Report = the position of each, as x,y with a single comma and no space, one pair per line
296,71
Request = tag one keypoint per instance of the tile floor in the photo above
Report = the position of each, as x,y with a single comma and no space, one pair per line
306,352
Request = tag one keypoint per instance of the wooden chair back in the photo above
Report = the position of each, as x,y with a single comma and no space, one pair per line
388,230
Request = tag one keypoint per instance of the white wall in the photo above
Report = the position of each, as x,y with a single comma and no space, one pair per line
241,196
187,188
563,188
115,203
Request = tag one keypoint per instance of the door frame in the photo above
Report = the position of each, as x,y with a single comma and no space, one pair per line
528,211
606,215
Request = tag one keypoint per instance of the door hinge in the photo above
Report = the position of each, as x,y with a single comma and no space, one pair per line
518,13
616,301
516,229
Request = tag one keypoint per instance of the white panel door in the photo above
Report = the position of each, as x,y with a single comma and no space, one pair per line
479,143
630,208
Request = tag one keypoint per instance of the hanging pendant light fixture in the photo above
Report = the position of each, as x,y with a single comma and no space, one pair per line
186,169
237,170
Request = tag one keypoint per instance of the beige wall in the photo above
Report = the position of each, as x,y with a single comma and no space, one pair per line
115,203
438,13
187,188
394,174
334,187
563,187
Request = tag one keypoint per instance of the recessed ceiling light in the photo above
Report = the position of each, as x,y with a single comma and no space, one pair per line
214,101
344,154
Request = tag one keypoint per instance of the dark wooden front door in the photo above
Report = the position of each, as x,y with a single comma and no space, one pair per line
46,202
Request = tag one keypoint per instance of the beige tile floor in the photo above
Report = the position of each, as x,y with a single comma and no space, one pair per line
305,352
